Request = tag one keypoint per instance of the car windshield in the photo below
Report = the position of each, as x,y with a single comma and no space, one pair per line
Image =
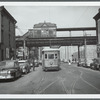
3,63
6,64
22,63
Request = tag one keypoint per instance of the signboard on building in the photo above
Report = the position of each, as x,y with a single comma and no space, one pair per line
98,48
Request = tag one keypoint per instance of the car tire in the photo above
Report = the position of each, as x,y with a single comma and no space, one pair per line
99,68
26,72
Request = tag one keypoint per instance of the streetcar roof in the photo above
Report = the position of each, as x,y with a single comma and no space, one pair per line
50,49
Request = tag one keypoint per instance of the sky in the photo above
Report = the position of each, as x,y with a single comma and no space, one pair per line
64,16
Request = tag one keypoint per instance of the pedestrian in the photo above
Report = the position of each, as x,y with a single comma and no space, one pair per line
69,62
33,66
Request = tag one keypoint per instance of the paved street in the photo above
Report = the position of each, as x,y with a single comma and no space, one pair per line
69,80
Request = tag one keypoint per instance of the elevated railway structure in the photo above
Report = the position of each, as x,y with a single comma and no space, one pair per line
61,41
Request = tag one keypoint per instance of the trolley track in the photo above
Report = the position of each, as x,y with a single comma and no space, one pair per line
79,77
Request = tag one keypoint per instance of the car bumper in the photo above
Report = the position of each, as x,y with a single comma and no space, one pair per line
24,70
51,68
6,77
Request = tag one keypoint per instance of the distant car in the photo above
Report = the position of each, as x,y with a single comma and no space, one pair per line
36,63
88,63
10,69
65,61
95,64
25,66
40,62
80,63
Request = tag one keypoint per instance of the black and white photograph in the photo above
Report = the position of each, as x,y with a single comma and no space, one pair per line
49,48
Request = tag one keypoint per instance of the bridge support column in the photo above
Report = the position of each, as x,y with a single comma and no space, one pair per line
78,53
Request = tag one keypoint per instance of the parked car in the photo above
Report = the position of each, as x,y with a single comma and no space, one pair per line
88,63
80,63
84,64
25,66
10,69
95,64
31,64
65,61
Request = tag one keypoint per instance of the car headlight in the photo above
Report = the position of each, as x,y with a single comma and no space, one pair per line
9,72
23,66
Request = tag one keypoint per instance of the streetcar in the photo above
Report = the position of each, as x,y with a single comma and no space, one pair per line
50,59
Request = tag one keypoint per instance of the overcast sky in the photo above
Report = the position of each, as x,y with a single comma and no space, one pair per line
62,16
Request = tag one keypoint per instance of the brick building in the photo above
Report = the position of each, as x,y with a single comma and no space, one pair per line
97,19
45,29
7,35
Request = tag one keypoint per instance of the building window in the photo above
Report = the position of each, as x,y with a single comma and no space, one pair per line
45,56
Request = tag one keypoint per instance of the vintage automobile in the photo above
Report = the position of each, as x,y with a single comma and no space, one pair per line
25,66
80,62
9,69
88,63
95,64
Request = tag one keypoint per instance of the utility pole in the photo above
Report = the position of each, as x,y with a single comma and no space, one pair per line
85,49
65,52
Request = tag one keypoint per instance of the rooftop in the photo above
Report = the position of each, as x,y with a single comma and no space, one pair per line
10,16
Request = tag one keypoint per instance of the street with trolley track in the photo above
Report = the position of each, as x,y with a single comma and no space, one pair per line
71,79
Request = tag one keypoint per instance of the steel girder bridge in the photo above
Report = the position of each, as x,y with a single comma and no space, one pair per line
61,41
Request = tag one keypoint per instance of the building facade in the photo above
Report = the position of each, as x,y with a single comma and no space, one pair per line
45,29
97,19
7,35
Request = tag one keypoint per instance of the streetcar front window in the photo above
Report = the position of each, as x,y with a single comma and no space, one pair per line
50,56
55,56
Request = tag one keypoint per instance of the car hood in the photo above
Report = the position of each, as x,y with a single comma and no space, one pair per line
6,68
22,66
